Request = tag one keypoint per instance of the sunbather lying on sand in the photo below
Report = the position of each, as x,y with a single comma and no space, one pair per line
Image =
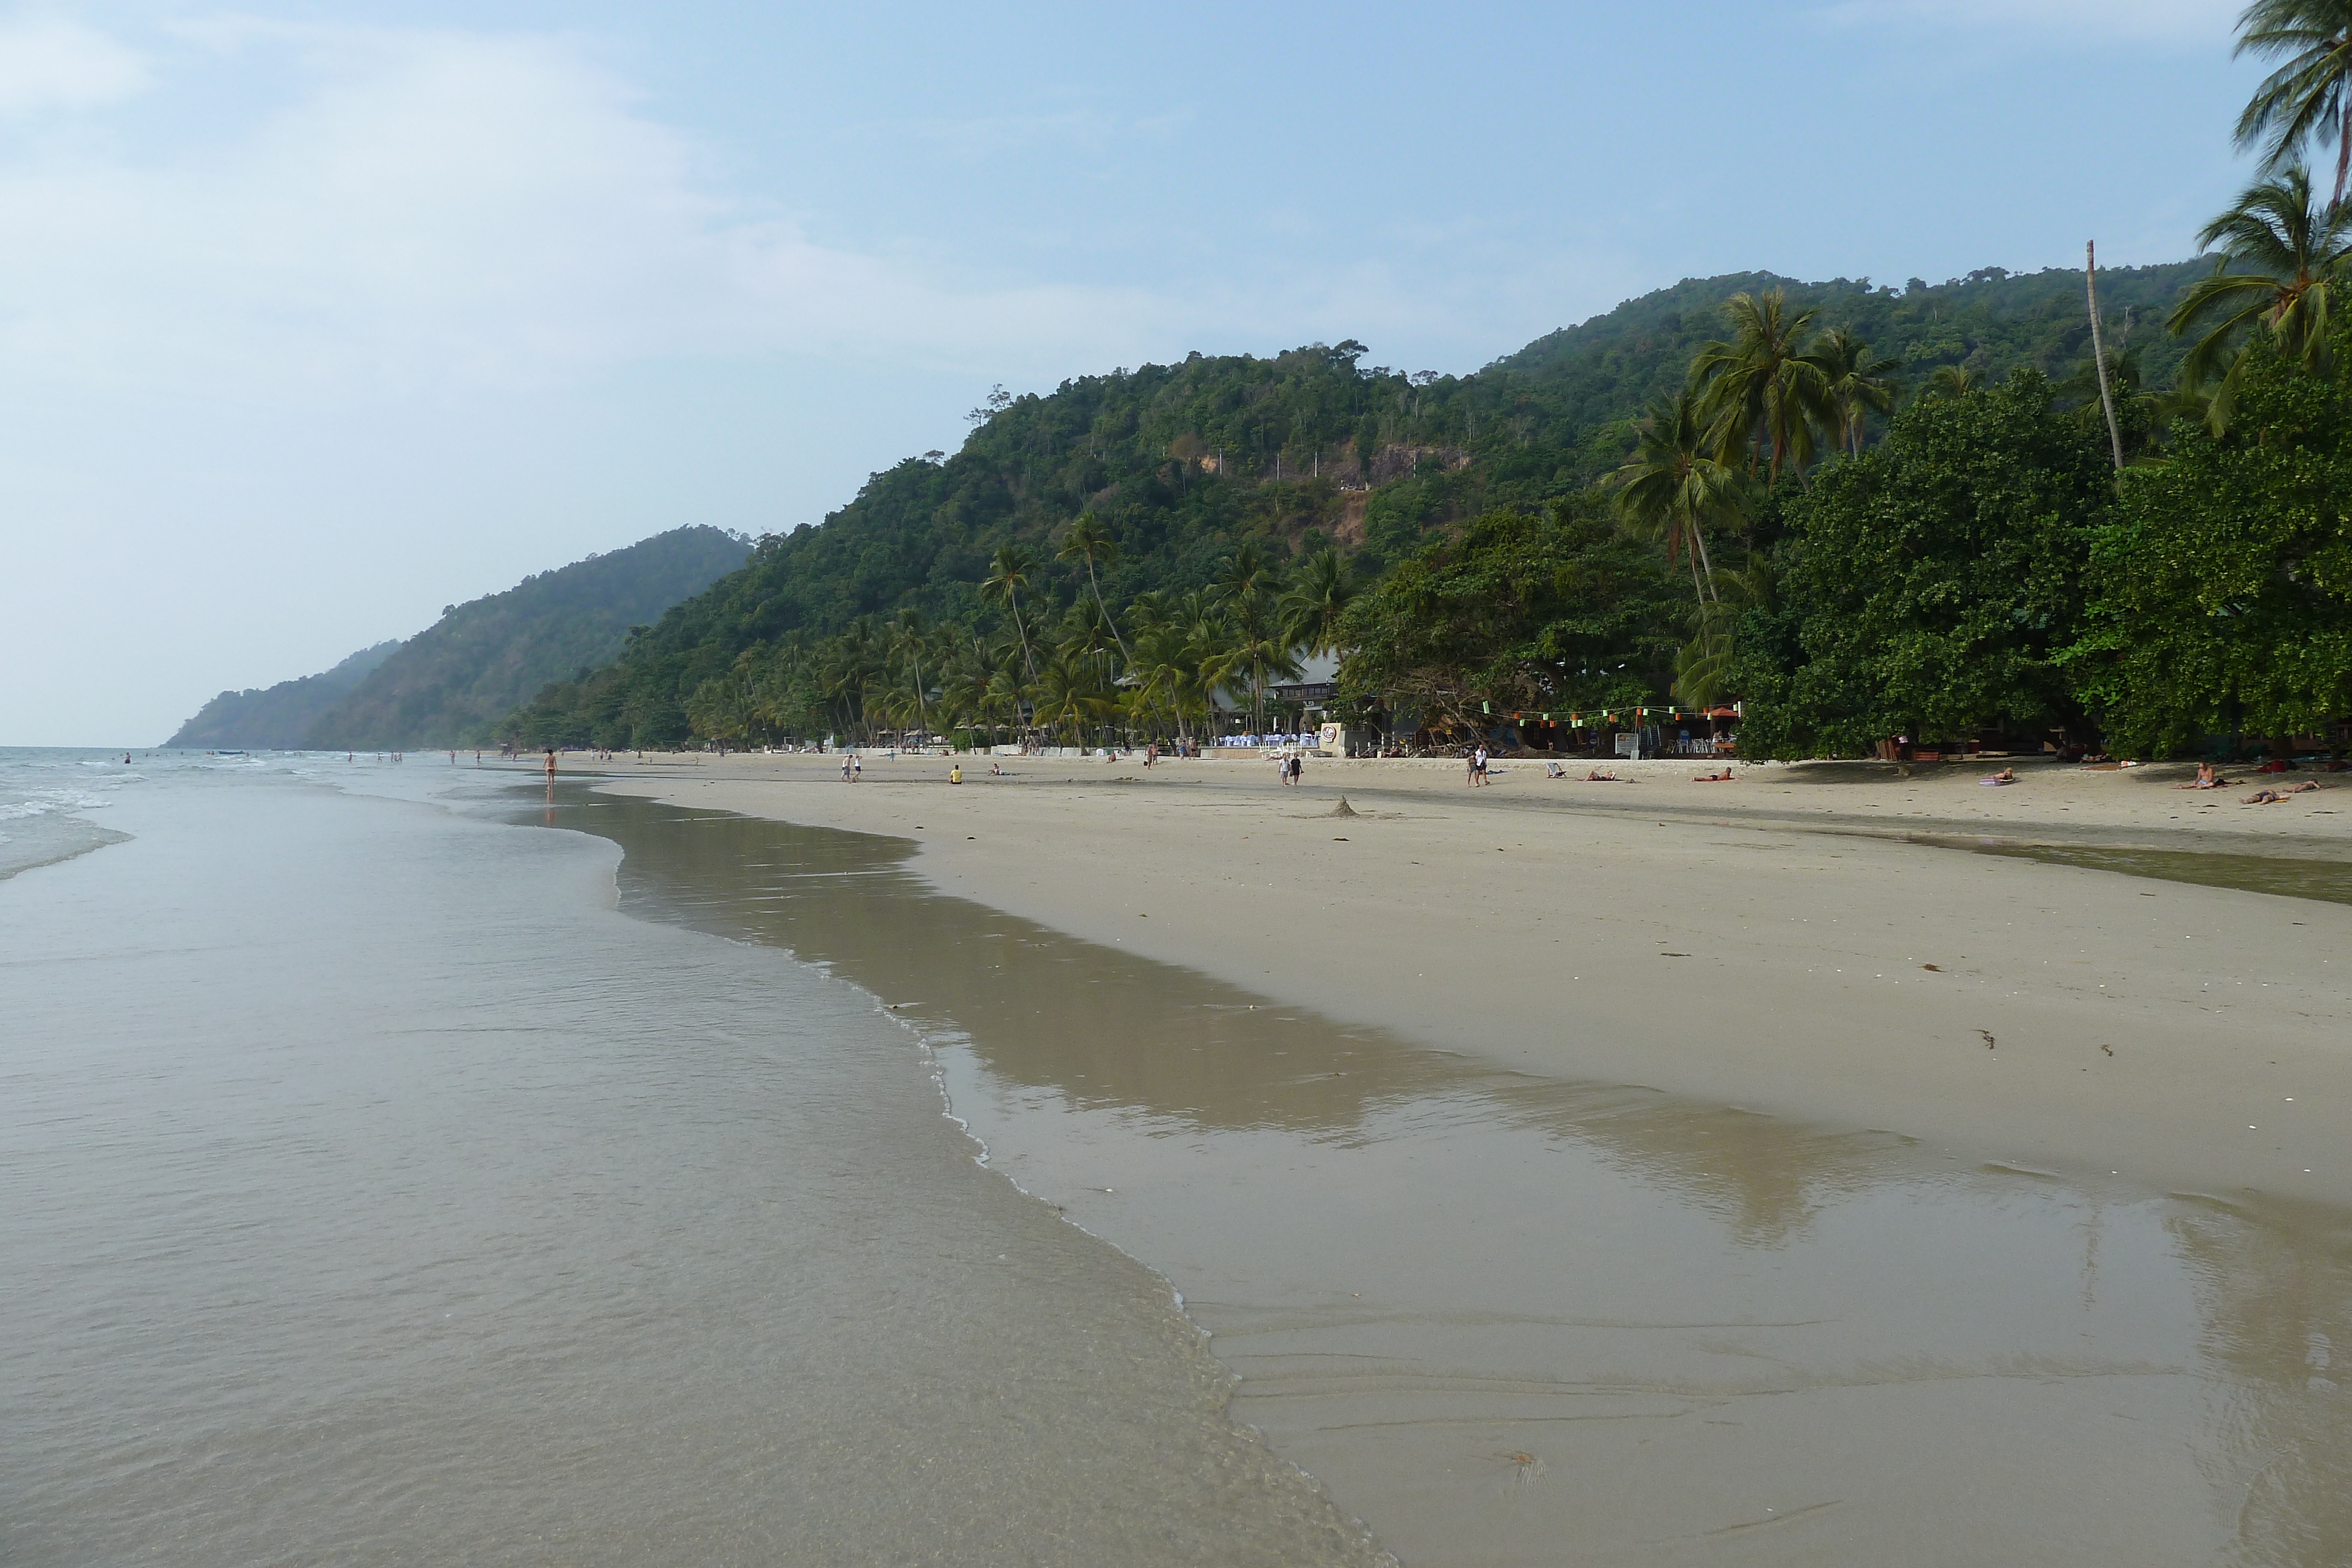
1596,777
2273,797
2006,775
1722,778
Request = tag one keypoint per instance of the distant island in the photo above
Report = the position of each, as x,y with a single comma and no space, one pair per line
449,685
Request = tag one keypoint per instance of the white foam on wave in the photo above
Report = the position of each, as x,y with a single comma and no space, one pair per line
42,802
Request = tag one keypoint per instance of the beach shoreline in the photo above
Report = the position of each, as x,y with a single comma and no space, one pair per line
1772,943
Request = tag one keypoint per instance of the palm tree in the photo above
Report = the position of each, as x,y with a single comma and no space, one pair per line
911,643
1952,382
1760,390
1089,541
1858,384
1247,593
1310,608
2309,96
2290,252
1069,693
1673,484
1703,666
1008,574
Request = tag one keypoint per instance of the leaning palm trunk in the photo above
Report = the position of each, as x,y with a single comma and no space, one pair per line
2099,353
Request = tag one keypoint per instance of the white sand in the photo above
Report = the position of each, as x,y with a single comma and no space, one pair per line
2193,1038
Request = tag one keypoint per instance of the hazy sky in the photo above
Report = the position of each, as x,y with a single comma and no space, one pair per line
316,318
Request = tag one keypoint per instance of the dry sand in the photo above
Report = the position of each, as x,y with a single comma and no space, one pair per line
1759,943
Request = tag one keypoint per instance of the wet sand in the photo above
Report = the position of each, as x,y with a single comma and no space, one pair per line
1772,943
1514,1319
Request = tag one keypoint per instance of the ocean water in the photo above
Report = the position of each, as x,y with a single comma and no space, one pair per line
376,1193
412,1163
52,803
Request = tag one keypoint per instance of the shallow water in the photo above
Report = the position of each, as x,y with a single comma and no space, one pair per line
376,1194
1513,1321
2328,880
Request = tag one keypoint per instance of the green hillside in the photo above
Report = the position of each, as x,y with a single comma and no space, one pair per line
1183,463
280,717
449,685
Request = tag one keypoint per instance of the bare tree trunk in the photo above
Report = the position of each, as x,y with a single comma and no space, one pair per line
2099,352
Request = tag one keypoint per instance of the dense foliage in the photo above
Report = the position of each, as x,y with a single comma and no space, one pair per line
2224,576
1928,588
1534,611
1182,465
280,717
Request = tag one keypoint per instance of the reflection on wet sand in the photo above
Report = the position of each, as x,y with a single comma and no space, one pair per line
1510,1320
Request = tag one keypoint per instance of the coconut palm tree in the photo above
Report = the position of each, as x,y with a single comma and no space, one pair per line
1760,390
1090,542
1674,485
1070,693
1310,607
1008,574
2309,96
1703,666
1859,384
1952,381
2282,257
1248,593
910,644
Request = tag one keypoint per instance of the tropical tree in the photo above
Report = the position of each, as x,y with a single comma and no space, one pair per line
2309,97
2281,261
1952,382
1929,587
1705,665
1090,542
1070,693
1551,610
1311,606
910,644
1760,390
1248,593
1858,384
1008,574
2222,579
1675,486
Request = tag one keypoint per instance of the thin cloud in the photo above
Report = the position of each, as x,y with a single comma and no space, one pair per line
49,64
455,208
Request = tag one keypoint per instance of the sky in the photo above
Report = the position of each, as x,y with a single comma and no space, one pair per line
317,317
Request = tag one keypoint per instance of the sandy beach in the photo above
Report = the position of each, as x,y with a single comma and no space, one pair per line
1771,944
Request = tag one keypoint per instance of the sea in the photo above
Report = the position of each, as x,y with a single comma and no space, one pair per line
412,1162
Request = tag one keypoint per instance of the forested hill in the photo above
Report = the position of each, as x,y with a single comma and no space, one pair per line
280,717
1184,462
449,685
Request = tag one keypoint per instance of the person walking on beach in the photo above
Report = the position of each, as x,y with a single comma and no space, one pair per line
1478,768
845,767
856,766
550,765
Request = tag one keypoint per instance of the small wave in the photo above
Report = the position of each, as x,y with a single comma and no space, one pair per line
42,802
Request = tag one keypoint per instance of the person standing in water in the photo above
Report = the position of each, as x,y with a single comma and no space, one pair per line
550,765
